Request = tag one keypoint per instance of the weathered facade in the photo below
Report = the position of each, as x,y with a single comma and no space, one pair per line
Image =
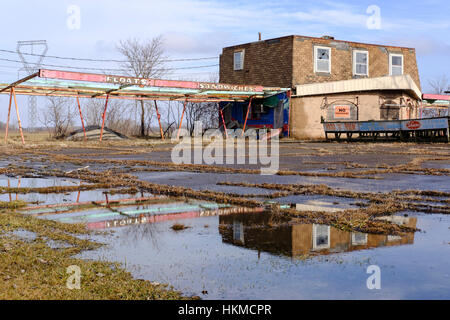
297,62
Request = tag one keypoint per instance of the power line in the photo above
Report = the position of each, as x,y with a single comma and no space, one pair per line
106,60
106,69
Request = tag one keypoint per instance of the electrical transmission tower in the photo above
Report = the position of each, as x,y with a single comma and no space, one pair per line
36,52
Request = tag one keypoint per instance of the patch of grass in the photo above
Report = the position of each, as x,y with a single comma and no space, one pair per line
33,270
12,204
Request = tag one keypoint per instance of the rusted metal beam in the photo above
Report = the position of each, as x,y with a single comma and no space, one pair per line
289,113
159,120
181,121
130,201
246,117
9,114
81,117
126,96
12,85
18,116
223,120
103,118
107,92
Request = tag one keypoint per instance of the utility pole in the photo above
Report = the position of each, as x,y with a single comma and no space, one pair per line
40,47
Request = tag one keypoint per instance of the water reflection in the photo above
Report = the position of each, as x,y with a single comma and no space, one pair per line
258,232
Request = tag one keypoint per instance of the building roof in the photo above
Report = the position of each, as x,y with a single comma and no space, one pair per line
320,38
402,82
444,97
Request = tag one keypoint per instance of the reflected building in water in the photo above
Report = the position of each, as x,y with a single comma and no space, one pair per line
255,231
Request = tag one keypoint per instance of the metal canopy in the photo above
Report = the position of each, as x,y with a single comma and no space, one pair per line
88,85
57,83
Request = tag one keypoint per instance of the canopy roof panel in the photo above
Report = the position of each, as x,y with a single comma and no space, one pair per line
74,84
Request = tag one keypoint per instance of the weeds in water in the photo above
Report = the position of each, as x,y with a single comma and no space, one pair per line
179,227
15,204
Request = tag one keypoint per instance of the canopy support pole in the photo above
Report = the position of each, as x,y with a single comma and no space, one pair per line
223,120
103,118
289,113
181,121
246,117
9,187
9,114
81,117
18,116
159,120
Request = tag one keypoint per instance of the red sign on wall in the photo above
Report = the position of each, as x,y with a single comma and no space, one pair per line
342,112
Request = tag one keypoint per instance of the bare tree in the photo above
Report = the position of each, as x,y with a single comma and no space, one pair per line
439,84
114,118
57,116
206,112
143,60
172,118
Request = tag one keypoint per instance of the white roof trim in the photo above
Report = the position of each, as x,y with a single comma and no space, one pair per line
401,82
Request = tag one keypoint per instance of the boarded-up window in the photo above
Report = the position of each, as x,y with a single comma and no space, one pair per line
389,111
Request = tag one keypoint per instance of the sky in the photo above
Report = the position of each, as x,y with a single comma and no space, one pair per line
201,28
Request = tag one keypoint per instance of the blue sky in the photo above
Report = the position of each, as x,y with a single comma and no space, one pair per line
201,28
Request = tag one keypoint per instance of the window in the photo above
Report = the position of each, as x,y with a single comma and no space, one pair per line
238,231
239,60
321,237
360,63
322,59
395,64
359,239
389,110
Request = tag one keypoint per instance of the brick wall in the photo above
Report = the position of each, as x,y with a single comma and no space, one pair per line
267,63
342,60
289,61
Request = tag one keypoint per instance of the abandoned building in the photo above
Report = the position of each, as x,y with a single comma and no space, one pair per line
330,80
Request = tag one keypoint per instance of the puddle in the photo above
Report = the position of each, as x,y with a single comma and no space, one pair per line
320,202
435,165
208,181
24,234
67,198
57,244
120,210
239,256
37,182
240,253
253,231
